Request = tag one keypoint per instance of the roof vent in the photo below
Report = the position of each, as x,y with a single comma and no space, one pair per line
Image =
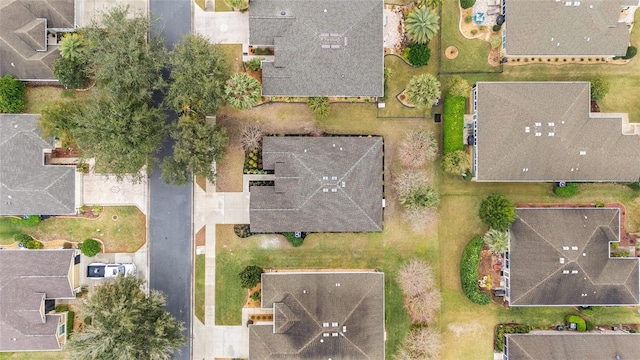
334,324
561,260
527,129
283,13
574,248
574,272
565,272
565,248
325,190
538,133
583,152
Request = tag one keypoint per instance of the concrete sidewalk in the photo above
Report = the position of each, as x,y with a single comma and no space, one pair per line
211,208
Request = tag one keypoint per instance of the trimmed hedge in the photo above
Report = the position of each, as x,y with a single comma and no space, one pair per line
469,271
11,95
569,190
453,120
581,325
631,52
501,330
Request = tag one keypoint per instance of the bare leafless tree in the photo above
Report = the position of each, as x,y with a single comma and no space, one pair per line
418,147
421,295
251,137
420,344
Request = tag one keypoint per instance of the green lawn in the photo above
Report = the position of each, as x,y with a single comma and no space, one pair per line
37,97
126,234
199,287
453,123
40,355
221,5
472,54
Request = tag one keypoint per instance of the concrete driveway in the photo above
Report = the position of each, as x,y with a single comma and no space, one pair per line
139,258
229,27
105,190
86,10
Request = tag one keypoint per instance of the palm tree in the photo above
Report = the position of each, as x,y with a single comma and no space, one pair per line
73,47
423,90
242,91
319,106
422,24
497,241
127,324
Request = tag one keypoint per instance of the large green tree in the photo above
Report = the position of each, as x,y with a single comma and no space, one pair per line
497,212
198,144
422,24
423,90
242,91
120,127
198,72
126,63
126,324
123,137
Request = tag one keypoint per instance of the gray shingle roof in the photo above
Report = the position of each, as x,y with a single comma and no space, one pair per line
27,186
547,27
27,277
323,184
347,307
322,48
571,346
23,23
544,131
541,238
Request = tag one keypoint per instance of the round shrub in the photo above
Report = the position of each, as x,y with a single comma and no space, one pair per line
465,4
581,325
497,212
295,241
33,244
631,52
23,238
70,73
497,27
90,247
254,64
468,19
569,190
250,276
419,54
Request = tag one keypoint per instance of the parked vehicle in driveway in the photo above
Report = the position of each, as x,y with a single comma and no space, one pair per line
102,270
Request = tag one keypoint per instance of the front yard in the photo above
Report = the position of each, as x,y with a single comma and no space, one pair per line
120,228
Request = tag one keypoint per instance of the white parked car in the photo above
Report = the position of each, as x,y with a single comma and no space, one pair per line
102,270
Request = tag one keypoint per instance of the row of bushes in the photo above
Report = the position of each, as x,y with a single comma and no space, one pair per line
453,114
28,242
70,317
501,330
469,271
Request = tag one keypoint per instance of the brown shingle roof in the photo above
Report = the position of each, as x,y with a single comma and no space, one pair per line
326,184
544,131
321,316
561,257
571,346
27,277
565,28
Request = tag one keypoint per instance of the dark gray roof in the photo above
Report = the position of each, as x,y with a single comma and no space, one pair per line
544,131
572,346
318,316
565,28
23,27
27,277
322,48
27,186
561,257
323,184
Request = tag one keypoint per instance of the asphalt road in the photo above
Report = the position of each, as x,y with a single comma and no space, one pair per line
170,207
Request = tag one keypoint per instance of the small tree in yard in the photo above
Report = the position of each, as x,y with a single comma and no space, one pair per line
11,95
458,86
126,324
456,163
250,276
254,64
242,91
422,24
497,240
599,88
73,47
497,212
423,90
421,296
90,247
319,105
251,137
70,73
420,343
419,54
414,191
58,119
418,147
